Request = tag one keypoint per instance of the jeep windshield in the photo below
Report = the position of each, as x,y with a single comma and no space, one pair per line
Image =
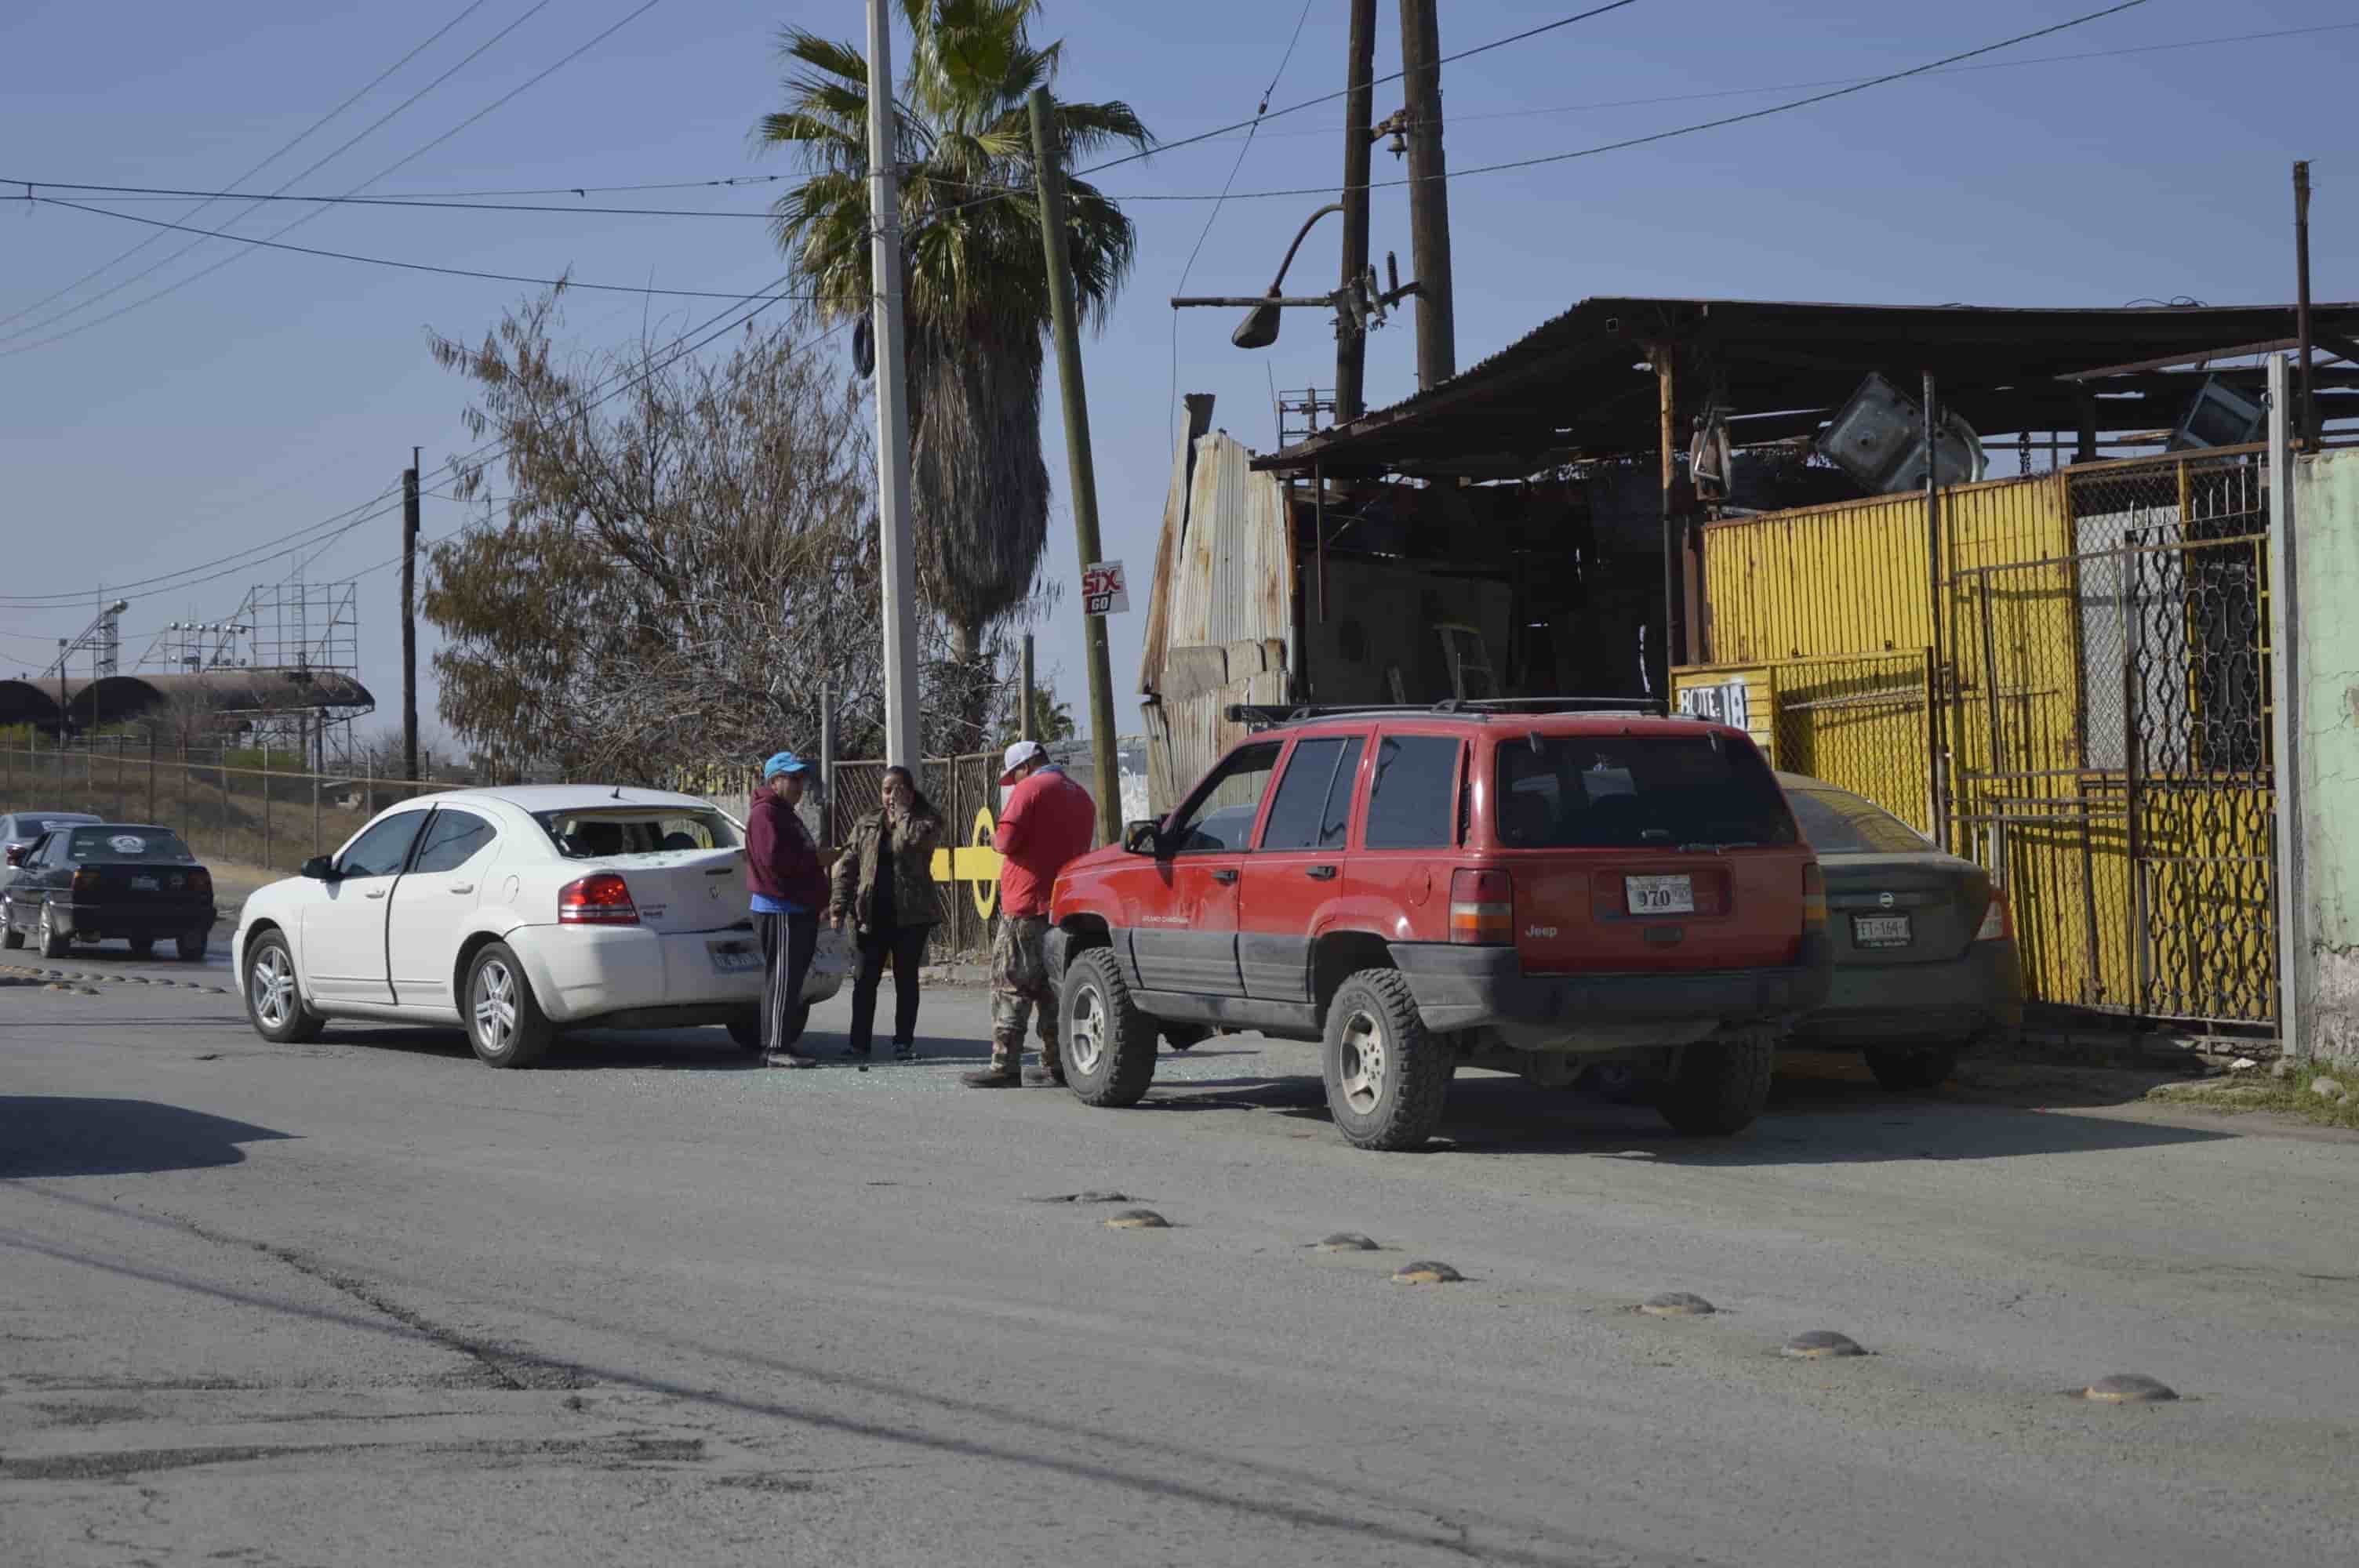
1624,792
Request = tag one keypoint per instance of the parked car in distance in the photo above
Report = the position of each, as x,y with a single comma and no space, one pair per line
1536,887
1924,943
18,831
517,913
94,883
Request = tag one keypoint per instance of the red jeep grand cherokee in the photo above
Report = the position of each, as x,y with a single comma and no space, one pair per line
1536,887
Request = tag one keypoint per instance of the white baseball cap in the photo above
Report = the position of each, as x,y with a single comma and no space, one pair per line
1019,755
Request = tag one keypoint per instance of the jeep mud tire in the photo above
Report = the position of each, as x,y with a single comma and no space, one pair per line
1105,1043
1720,1085
1387,1075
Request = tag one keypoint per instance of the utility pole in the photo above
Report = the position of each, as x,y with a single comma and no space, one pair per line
1428,193
1359,109
2306,428
1045,154
897,542
1027,722
409,618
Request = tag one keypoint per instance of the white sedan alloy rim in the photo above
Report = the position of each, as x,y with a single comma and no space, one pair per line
495,1006
273,989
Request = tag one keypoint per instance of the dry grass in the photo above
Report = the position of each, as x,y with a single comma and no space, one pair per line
2241,1092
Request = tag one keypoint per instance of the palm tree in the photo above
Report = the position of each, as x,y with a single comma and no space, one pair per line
977,291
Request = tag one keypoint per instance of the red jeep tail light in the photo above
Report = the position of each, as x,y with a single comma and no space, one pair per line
86,880
200,880
1814,898
1998,920
601,899
1482,907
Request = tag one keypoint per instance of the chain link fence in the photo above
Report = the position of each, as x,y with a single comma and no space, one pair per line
234,808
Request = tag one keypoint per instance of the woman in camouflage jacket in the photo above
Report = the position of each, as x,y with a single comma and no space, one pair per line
884,887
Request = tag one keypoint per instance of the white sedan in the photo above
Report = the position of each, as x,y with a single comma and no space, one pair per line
517,912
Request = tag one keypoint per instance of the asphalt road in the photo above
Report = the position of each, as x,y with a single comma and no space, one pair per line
366,1302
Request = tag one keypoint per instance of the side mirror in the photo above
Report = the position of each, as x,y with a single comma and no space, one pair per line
319,868
16,853
1142,837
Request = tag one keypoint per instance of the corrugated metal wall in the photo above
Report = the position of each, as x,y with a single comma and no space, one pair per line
2141,889
1222,616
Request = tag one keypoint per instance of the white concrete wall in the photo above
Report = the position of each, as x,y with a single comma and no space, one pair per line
2326,751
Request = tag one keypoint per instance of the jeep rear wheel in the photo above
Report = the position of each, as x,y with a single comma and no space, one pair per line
1106,1044
1720,1085
1387,1075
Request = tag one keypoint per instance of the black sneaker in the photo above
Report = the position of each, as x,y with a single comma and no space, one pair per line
859,1051
903,1051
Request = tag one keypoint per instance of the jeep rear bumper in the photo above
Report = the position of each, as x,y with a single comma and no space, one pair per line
1472,988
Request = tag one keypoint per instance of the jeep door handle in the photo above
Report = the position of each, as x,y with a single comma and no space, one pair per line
462,887
1321,873
1224,878
378,893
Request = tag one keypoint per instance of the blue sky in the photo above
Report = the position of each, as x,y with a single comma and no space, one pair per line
282,389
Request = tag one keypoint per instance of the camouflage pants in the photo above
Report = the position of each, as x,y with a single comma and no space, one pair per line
1019,982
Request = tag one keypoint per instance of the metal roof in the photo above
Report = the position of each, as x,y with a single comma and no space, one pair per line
114,697
1578,385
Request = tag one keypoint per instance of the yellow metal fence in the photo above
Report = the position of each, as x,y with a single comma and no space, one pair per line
2092,719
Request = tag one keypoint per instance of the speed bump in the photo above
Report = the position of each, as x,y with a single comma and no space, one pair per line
1822,1345
1139,1219
2128,1388
1676,1303
1427,1273
1347,1241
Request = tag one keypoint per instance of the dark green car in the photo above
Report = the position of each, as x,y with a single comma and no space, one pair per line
136,882
1924,943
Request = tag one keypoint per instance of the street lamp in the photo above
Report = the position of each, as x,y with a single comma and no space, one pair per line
1356,305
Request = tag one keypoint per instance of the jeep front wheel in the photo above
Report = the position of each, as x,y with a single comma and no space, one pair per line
1387,1075
1107,1043
1720,1085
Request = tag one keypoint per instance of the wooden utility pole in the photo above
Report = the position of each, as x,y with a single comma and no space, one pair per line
1359,111
1055,240
1428,193
409,617
897,541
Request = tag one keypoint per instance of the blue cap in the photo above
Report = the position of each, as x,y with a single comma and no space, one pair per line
784,763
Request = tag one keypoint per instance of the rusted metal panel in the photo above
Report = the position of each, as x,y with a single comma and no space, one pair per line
1223,613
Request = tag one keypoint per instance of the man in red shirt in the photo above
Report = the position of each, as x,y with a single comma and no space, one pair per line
1050,820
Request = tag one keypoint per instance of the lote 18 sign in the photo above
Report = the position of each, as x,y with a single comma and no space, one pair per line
1721,703
1105,591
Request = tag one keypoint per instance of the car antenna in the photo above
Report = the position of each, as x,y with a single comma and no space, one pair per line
618,791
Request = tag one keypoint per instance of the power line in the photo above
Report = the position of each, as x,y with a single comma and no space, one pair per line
1458,119
346,146
245,249
166,192
1667,136
1215,215
283,150
410,266
316,534
1344,91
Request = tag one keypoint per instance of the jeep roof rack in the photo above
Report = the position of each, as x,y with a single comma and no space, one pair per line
1269,714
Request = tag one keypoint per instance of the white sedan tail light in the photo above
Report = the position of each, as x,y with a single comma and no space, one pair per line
601,899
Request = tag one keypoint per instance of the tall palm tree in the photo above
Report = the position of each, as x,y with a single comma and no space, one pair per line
976,289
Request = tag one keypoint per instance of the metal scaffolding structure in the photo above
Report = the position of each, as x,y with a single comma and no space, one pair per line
287,628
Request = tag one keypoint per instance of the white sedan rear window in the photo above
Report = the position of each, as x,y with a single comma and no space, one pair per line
599,835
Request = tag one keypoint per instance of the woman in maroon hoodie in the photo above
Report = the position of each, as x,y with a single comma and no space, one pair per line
789,888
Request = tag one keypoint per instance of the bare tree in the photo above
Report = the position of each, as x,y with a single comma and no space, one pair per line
673,575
